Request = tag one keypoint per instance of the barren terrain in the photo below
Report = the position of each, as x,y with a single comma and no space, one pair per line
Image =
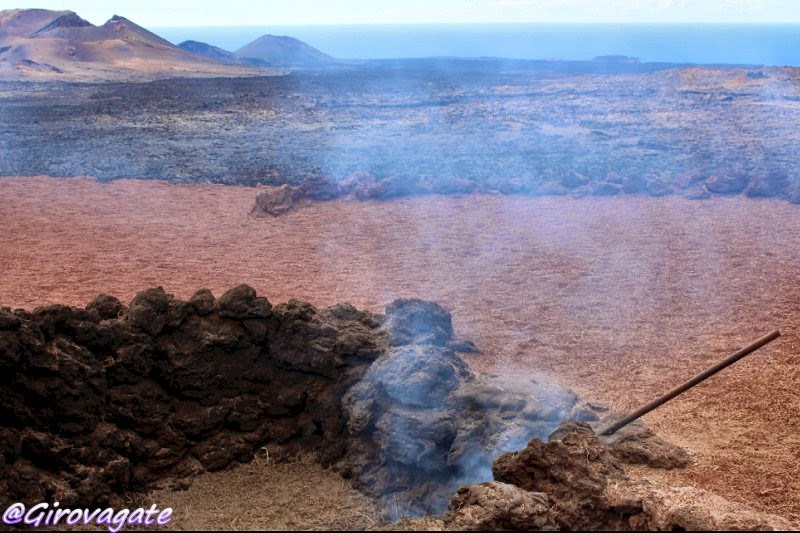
515,127
618,298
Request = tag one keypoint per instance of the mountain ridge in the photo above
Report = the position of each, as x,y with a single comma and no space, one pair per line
51,45
280,51
208,51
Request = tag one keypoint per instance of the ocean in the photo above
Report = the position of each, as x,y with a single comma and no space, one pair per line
777,45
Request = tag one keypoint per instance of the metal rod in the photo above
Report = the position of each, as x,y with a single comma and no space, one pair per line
699,378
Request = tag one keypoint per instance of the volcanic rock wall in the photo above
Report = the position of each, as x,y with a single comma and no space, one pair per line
100,401
277,200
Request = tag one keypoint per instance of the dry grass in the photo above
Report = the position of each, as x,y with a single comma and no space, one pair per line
262,495
619,298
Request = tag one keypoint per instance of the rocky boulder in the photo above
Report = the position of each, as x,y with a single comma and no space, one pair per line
728,183
634,184
574,179
319,187
655,508
423,424
768,184
495,506
573,468
576,480
396,186
359,185
107,307
414,321
697,192
659,185
604,188
275,201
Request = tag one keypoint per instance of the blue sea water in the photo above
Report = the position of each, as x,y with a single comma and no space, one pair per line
698,43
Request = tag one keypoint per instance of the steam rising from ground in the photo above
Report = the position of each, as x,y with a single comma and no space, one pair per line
620,298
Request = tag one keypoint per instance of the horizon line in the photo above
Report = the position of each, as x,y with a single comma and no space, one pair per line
516,23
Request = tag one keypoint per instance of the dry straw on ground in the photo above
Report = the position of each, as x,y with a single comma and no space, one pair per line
262,495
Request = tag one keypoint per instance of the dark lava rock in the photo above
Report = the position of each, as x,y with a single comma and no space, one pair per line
396,187
203,302
9,320
416,375
638,444
727,183
437,425
317,187
106,306
572,468
603,188
276,201
495,506
304,341
359,185
572,180
575,481
451,185
659,185
148,311
241,302
697,192
366,186
413,321
767,184
634,185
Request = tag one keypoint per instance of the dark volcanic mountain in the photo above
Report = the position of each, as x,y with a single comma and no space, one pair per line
43,44
266,51
208,51
282,51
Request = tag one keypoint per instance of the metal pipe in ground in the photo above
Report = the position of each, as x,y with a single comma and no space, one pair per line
699,378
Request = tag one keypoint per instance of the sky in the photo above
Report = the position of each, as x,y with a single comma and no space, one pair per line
194,13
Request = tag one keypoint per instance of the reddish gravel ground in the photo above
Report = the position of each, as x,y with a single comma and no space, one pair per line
618,298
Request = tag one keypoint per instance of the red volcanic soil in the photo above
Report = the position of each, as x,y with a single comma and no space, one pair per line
618,298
